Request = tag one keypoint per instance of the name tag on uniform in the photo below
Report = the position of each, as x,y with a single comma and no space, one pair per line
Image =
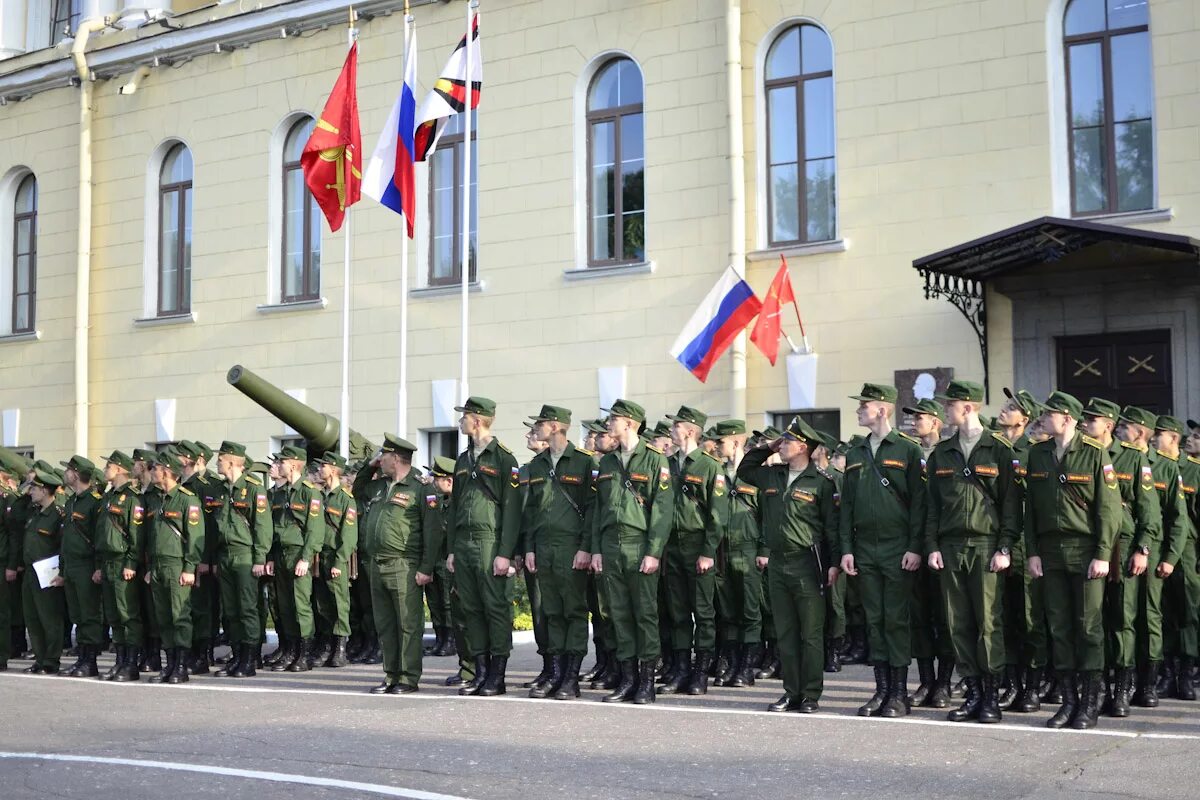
536,481
603,477
1072,478
807,497
172,514
943,472
895,463
986,471
298,506
1039,476
486,470
747,490
337,512
115,510
770,492
693,479
401,500
77,515
575,480
639,477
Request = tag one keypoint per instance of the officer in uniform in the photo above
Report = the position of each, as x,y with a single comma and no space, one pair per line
974,516
483,531
882,527
195,457
12,467
769,666
634,512
533,589
143,478
1184,633
1072,516
437,594
835,595
80,568
119,552
440,488
299,526
1181,597
400,529
44,607
605,673
341,540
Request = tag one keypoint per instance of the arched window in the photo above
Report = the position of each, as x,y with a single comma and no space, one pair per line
175,233
445,205
1110,101
24,288
801,167
616,165
300,278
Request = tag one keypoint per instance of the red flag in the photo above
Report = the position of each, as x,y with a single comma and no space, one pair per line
767,328
332,157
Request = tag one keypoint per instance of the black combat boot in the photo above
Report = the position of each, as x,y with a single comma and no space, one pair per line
989,706
645,689
1051,691
119,662
543,676
375,654
833,654
927,677
558,670
770,663
1146,695
972,701
1029,701
940,696
698,681
1184,690
1012,687
337,655
287,655
180,673
1089,705
199,659
303,660
857,652
129,670
896,704
1164,678
568,689
233,662
628,684
1122,692
882,679
322,650
244,668
494,684
481,671
80,653
725,665
445,647
677,681
605,667
151,657
612,673
1070,700
280,652
751,653
597,668
428,649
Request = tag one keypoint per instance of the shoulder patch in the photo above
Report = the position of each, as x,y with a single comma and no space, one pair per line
1000,437
1092,442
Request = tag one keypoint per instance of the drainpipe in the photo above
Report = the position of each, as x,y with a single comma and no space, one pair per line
83,248
737,191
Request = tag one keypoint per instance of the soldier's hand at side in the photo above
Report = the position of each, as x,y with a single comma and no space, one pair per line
301,568
1098,568
258,570
450,563
96,577
833,576
10,575
649,565
597,563
1034,565
531,563
911,562
518,562
1164,569
761,562
703,565
582,560
500,567
187,579
1001,562
128,574
202,569
58,581
423,579
215,570
334,572
935,560
146,578
270,568
848,564
1138,563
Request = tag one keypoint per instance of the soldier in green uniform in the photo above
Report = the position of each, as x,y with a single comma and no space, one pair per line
341,540
299,527
483,531
400,530
80,568
882,525
442,473
175,548
195,457
44,608
16,507
769,666
119,553
696,532
143,477
1185,631
634,511
437,593
974,516
835,596
1072,516
606,673
799,522
11,468
557,521
533,589
367,649
243,527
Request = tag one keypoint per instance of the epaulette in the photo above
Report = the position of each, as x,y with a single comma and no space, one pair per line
714,458
62,510
1164,455
309,484
1194,460
910,437
1090,441
502,446
1129,446
349,493
1001,438
655,449
97,495
186,491
200,476
585,451
252,478
825,475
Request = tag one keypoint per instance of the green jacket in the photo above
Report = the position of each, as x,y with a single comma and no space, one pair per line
79,532
743,517
7,500
486,498
341,529
884,520
1141,518
211,493
700,485
152,500
178,529
638,498
559,500
1174,507
797,517
398,519
296,510
43,534
1073,507
19,512
119,527
1189,478
438,508
983,508
244,520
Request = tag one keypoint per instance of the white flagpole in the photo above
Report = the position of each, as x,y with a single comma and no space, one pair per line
402,420
465,251
344,428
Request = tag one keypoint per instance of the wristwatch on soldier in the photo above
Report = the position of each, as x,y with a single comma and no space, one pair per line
1143,549
1004,551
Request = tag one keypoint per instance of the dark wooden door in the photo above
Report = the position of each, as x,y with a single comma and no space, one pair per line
1133,369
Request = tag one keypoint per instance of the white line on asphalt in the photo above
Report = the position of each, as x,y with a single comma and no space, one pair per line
254,774
628,707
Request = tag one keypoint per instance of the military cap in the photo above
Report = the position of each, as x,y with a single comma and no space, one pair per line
1064,403
925,406
233,449
47,479
730,427
169,460
528,424
842,448
553,414
13,462
970,391
291,452
1193,424
1024,401
120,459
628,409
661,428
828,440
1138,416
394,444
144,455
442,467
595,426
260,467
333,460
877,391
82,465
800,430
205,451
478,405
188,448
1166,422
1099,407
769,433
689,414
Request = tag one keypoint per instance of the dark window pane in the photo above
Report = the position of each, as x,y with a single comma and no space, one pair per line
632,138
1135,165
1132,89
818,118
27,195
784,136
186,270
24,266
633,192
314,247
25,235
816,49
1091,194
296,139
1087,85
604,199
785,199
629,87
169,256
1084,16
783,61
635,236
1127,14
178,166
605,88
293,232
444,193
21,321
820,199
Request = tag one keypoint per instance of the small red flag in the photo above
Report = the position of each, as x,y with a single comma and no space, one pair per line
332,157
767,328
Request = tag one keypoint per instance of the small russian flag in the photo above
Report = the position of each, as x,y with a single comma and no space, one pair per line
725,311
390,175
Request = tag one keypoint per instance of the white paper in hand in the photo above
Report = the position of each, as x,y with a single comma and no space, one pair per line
46,571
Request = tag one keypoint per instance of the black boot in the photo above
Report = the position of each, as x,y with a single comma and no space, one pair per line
628,684
1070,700
234,661
494,684
152,657
199,661
606,669
725,665
698,681
69,672
751,653
959,689
542,677
1122,692
287,655
445,646
85,667
1165,678
374,654
568,689
180,673
597,668
677,681
927,677
857,652
833,658
245,667
1029,701
428,649
645,689
770,664
322,650
972,701
1089,707
882,677
1012,687
896,704
337,655
940,696
544,687
279,653
129,669
303,660
481,671
1051,689
1184,690
119,662
1147,691
989,706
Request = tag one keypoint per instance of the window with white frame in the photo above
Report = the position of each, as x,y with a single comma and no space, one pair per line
18,252
300,276
616,167
175,233
445,205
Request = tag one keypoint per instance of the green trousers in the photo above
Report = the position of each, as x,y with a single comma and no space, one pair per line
1026,640
887,593
362,617
563,599
437,597
172,603
853,603
205,615
602,631
1074,614
486,606
632,597
835,610
7,590
399,617
85,603
973,607
331,600
739,597
691,597
149,615
1149,623
768,618
799,610
533,591
1182,606
466,665
295,596
1120,612
45,613
122,603
239,597
930,634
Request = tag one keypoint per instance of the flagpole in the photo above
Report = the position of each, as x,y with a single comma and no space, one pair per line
465,251
402,421
344,443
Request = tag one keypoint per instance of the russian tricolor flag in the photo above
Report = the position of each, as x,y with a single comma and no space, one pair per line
726,310
390,174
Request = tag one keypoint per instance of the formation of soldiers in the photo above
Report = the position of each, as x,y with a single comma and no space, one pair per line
1047,555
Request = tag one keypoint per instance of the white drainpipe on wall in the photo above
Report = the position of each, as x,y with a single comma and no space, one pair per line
737,192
